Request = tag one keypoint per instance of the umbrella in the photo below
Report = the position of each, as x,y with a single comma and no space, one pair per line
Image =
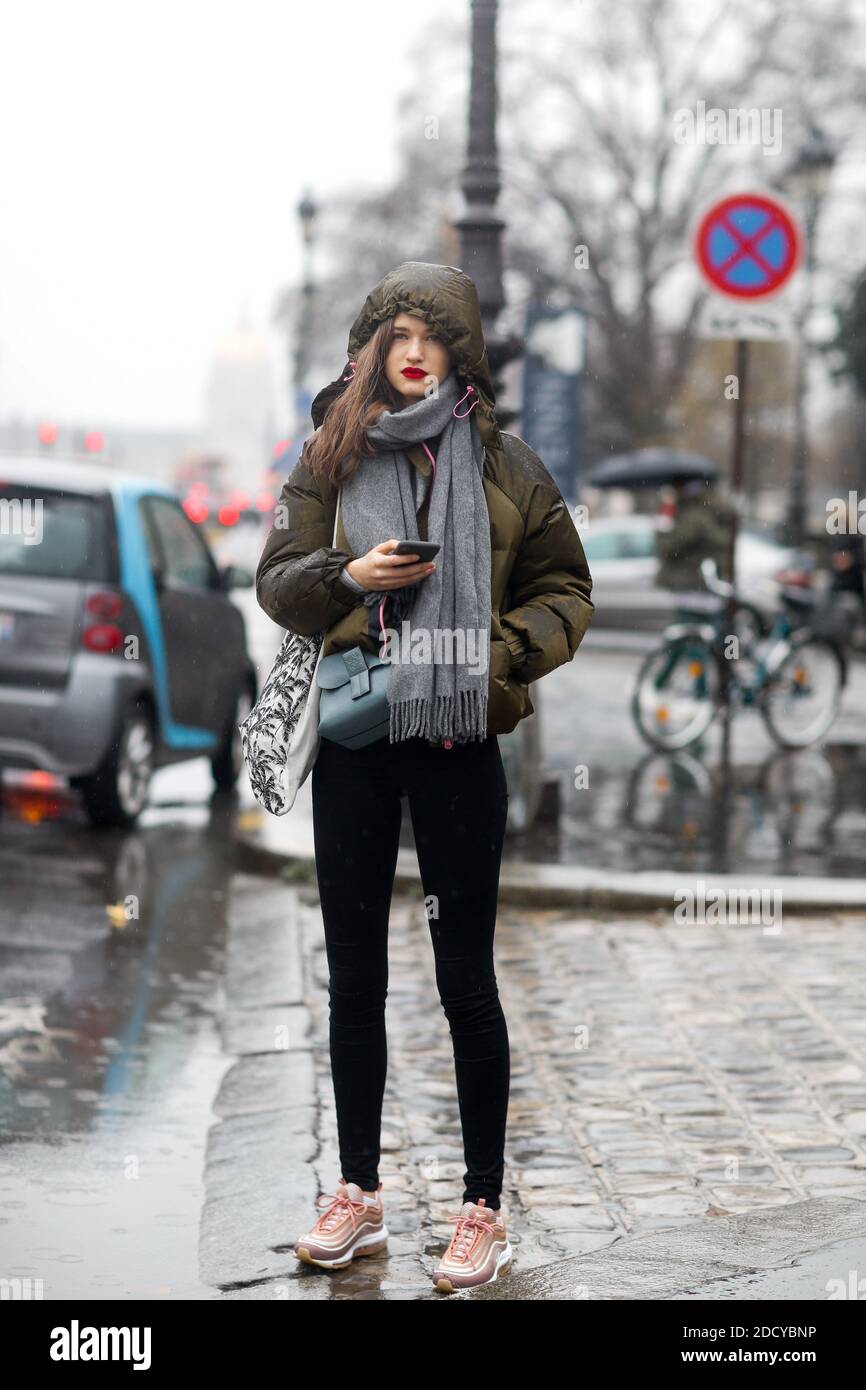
652,468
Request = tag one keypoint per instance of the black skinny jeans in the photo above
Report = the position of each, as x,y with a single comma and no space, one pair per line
458,801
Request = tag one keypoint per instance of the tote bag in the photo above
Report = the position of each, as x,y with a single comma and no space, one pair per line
280,735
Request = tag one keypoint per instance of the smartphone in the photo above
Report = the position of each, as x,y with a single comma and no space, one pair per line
425,550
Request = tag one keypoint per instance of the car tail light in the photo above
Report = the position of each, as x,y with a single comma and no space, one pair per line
105,605
101,633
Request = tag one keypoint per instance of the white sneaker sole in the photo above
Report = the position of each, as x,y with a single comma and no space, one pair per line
443,1281
364,1245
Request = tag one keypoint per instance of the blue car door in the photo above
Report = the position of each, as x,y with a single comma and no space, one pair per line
195,615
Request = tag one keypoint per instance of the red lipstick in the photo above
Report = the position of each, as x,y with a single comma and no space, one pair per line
413,373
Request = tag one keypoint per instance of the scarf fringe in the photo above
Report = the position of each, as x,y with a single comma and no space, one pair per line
461,717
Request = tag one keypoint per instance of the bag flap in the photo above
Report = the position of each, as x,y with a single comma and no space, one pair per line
332,671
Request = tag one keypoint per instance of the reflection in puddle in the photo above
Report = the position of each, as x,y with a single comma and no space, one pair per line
799,812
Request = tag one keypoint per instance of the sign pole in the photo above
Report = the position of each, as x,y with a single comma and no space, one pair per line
747,246
738,461
738,472
737,478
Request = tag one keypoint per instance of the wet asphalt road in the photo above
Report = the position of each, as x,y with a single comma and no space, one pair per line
109,1042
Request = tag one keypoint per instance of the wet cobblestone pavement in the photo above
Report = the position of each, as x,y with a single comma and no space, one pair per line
661,1074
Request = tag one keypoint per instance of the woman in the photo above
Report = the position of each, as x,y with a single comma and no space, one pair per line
409,434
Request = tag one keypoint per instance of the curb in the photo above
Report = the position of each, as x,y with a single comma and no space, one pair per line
561,885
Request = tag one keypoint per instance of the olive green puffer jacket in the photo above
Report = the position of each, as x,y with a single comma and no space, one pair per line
540,581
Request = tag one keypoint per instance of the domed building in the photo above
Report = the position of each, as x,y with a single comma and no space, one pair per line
239,406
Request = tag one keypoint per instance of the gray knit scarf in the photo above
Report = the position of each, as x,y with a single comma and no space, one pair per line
438,681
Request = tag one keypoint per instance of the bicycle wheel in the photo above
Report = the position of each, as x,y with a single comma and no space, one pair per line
802,696
676,693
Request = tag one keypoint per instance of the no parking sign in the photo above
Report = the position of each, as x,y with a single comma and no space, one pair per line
747,247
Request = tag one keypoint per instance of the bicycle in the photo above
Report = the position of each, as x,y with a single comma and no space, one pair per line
795,681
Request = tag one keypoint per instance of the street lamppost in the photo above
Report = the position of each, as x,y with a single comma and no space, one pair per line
480,231
807,180
307,211
480,228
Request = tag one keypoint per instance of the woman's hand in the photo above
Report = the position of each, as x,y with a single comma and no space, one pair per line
380,570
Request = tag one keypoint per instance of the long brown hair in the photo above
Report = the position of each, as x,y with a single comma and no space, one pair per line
340,444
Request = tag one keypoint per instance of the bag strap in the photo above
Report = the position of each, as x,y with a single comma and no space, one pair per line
357,669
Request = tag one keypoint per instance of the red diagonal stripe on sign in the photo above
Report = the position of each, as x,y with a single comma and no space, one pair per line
747,245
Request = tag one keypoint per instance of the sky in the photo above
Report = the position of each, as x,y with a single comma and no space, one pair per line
151,159
152,155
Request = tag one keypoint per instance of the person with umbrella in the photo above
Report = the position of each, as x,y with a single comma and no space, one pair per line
698,531
699,527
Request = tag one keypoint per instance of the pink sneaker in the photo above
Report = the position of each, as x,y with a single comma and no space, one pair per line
351,1224
479,1251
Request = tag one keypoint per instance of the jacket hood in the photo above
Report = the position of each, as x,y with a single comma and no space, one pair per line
448,300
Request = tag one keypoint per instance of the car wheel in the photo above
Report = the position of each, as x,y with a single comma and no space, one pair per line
117,792
227,762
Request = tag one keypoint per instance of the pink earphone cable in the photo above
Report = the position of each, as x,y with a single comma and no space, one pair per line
469,390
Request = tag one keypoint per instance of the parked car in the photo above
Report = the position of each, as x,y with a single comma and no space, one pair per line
622,559
120,648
